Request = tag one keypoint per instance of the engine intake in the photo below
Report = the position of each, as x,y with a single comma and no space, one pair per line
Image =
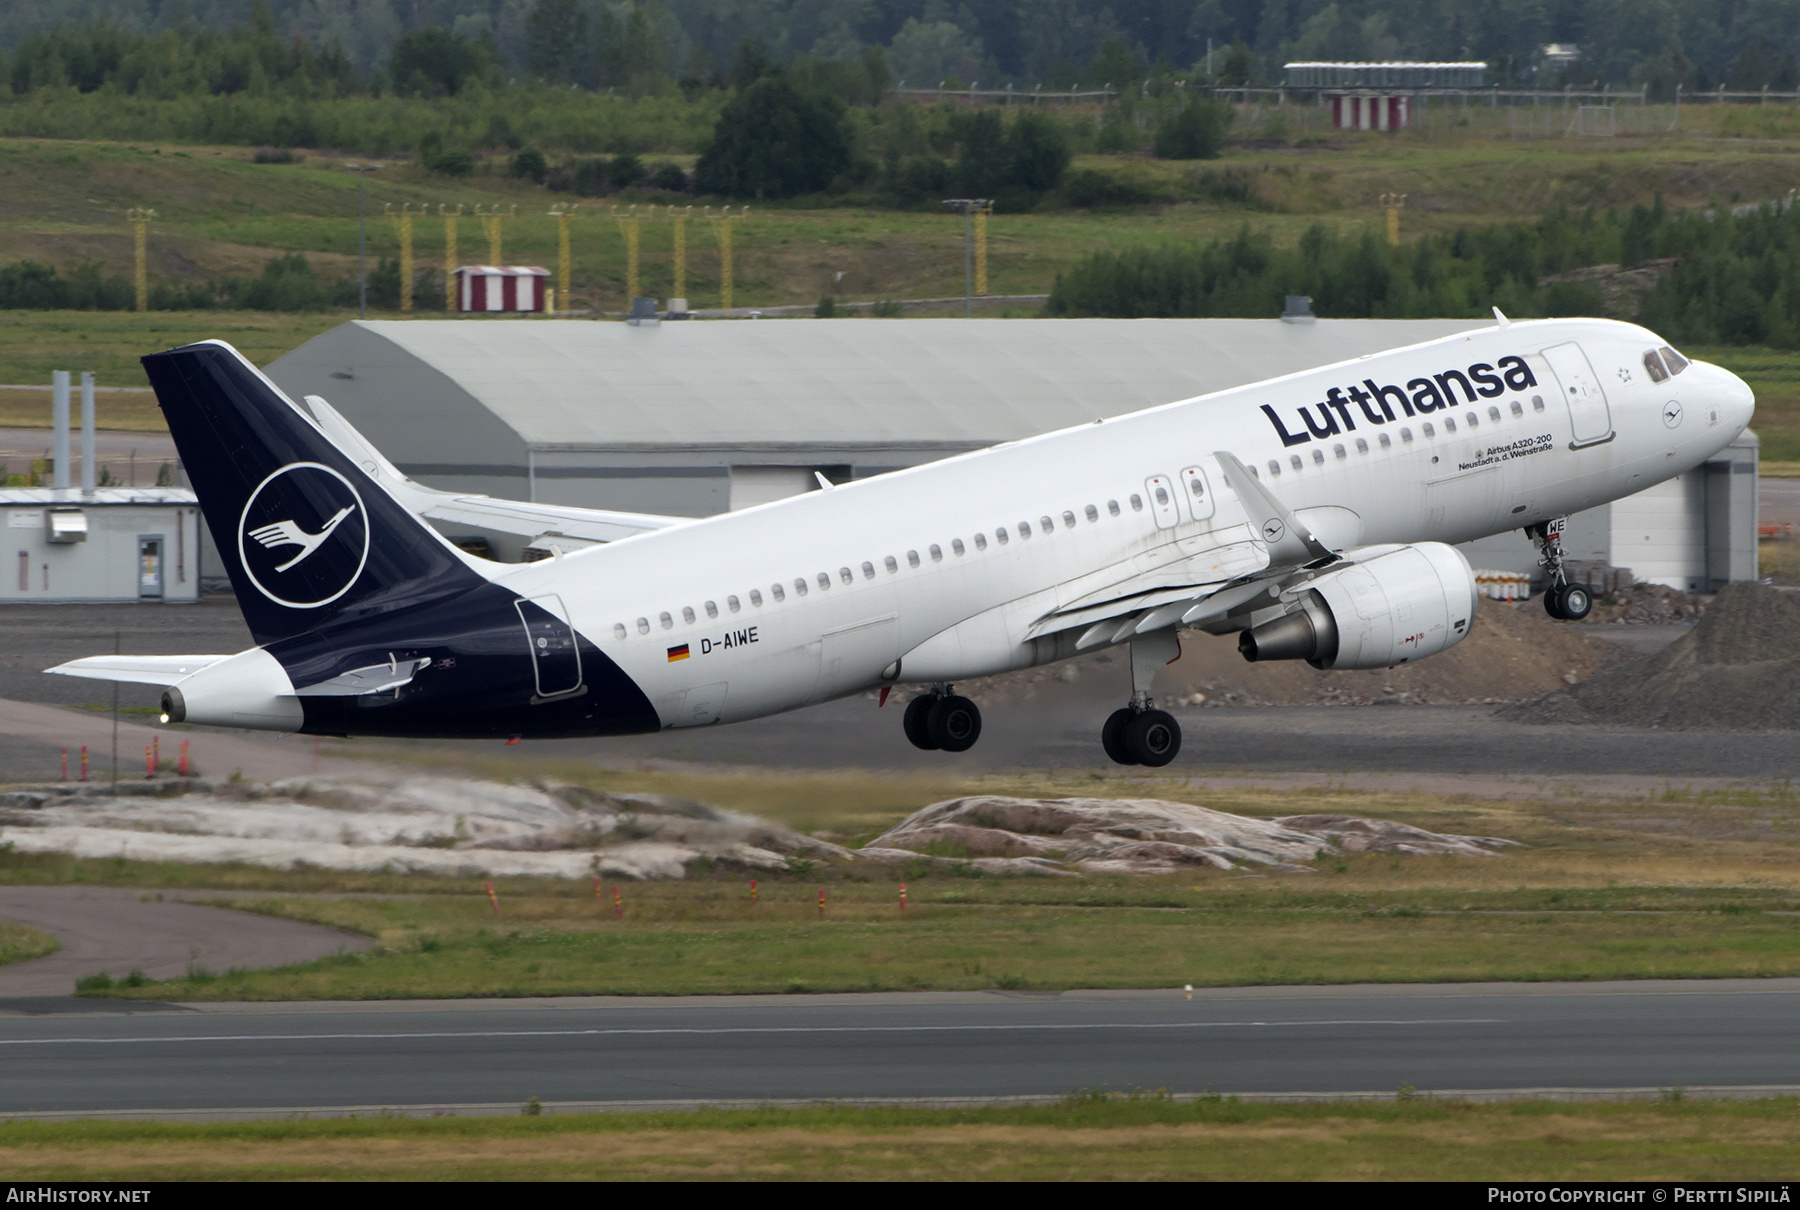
1389,605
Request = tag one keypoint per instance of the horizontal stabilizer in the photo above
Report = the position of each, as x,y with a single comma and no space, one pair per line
137,669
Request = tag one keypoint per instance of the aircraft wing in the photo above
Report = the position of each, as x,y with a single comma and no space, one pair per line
527,520
137,669
1193,591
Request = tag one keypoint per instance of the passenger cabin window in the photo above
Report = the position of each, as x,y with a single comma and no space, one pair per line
1274,467
1449,425
1386,441
732,604
643,625
1046,524
1494,415
1427,429
618,630
1024,529
1537,403
980,541
1338,449
1295,460
667,621
846,575
687,614
1405,434
1675,361
824,580
1093,514
912,558
1517,409
1362,447
776,593
937,552
1319,457
756,597
1000,537
1473,419
800,586
891,565
1112,507
1137,503
1068,519
956,547
712,610
868,570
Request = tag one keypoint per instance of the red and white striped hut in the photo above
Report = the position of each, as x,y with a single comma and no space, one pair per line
502,287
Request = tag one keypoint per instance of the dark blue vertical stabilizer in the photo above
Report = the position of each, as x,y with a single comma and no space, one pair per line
306,536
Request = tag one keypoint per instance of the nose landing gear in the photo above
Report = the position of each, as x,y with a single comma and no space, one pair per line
1139,734
939,720
1563,601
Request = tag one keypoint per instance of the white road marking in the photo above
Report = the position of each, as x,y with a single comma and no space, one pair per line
771,1029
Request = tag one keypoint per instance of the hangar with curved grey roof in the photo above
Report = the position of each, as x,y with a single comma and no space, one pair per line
695,418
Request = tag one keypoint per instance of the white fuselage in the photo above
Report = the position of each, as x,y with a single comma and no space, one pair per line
819,595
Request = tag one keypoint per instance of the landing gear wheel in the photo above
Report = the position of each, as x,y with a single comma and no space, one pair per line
917,721
1553,596
1577,602
1112,736
954,724
1152,738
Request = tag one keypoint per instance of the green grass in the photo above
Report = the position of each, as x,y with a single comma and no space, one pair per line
1774,374
1717,870
708,938
17,943
220,214
1087,1137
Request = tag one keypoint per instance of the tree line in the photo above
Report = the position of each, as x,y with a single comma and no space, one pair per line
647,46
1722,279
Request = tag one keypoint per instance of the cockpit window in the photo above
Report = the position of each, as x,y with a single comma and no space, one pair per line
1654,364
1675,361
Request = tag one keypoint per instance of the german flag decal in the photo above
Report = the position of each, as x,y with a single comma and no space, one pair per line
678,653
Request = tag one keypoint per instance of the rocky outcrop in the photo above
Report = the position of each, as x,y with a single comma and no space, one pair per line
427,825
1144,836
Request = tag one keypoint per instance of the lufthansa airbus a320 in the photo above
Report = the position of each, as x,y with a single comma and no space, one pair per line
1314,515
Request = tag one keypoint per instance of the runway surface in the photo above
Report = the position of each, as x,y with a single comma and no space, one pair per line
978,1045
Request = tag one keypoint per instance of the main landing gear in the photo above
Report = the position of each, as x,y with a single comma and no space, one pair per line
940,720
1139,734
1563,601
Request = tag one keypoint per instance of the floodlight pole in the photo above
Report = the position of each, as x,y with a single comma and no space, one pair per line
362,236
968,205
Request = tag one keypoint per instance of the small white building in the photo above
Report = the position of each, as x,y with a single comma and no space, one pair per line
113,544
502,288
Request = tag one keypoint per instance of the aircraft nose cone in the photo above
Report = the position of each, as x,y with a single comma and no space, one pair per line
1740,400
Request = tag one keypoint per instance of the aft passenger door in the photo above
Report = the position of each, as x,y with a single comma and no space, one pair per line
1590,419
555,655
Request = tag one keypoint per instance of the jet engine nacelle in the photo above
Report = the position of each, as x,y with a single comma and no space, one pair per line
251,690
1388,606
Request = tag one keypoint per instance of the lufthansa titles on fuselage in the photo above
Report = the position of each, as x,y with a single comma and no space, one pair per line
1377,404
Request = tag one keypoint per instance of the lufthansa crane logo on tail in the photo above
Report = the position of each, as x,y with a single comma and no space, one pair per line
303,538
